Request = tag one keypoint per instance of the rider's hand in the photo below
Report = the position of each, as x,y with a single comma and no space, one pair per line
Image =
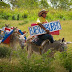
47,31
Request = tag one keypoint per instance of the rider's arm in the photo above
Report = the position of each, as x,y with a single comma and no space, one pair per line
43,27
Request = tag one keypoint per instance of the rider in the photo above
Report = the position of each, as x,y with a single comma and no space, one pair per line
41,20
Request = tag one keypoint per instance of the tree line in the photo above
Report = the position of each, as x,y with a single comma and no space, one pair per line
56,4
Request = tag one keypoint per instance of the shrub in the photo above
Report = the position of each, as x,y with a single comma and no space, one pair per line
4,51
13,17
36,64
18,17
5,66
4,16
65,60
60,16
24,16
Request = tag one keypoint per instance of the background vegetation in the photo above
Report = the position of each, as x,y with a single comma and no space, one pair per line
22,15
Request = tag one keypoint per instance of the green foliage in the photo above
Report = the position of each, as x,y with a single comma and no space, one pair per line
32,14
58,4
18,17
13,17
61,4
4,51
68,63
25,16
5,16
65,60
25,3
44,3
36,64
54,3
8,67
64,4
3,4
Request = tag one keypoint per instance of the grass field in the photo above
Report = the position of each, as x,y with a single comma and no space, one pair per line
15,66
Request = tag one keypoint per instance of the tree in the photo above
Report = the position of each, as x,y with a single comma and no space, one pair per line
3,4
25,3
44,3
55,3
62,4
